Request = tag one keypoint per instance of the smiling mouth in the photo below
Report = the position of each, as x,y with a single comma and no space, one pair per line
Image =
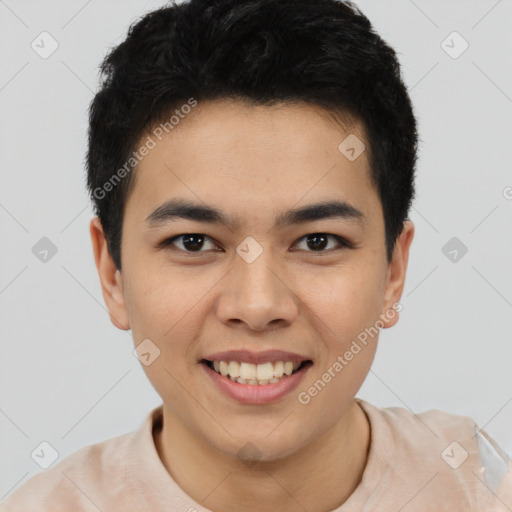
256,374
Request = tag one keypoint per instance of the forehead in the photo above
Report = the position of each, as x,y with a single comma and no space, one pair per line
252,158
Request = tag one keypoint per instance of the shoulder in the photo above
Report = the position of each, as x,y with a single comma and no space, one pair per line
449,451
503,492
412,432
75,483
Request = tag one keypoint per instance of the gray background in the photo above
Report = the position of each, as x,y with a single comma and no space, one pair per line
68,376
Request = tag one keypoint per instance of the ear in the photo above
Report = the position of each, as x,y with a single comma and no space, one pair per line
396,275
110,277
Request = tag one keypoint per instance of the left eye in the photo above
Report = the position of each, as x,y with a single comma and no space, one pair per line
318,241
194,242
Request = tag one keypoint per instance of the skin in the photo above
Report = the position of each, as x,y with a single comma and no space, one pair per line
253,163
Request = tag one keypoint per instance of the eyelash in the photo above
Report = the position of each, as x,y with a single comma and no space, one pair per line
343,243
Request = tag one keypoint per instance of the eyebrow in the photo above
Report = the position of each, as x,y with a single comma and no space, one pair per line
181,209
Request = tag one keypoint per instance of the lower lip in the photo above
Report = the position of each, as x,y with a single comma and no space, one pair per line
257,393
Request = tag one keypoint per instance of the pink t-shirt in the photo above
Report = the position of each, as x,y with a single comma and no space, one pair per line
432,461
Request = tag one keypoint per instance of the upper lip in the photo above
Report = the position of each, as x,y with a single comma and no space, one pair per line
257,357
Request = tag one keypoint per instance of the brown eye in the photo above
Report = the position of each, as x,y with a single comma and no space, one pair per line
317,242
190,242
314,242
193,242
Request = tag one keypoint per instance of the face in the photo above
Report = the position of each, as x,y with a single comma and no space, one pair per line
253,277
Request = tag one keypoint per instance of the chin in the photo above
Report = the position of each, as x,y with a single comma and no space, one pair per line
262,445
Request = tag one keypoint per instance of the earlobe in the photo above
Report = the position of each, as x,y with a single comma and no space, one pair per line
396,276
110,277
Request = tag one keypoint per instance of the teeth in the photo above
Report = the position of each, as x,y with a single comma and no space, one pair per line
278,369
264,371
253,374
223,368
234,369
288,368
248,371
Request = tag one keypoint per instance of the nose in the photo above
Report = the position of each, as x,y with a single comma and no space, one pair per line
257,296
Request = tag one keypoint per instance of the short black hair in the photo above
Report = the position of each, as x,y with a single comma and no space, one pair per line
321,52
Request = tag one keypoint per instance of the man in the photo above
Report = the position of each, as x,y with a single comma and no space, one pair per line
251,164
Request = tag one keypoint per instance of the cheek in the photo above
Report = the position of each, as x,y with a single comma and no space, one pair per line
169,309
328,392
348,308
154,304
161,310
348,300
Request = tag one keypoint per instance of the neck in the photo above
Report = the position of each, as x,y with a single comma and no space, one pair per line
321,476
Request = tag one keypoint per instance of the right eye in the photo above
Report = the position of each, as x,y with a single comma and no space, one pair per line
190,242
